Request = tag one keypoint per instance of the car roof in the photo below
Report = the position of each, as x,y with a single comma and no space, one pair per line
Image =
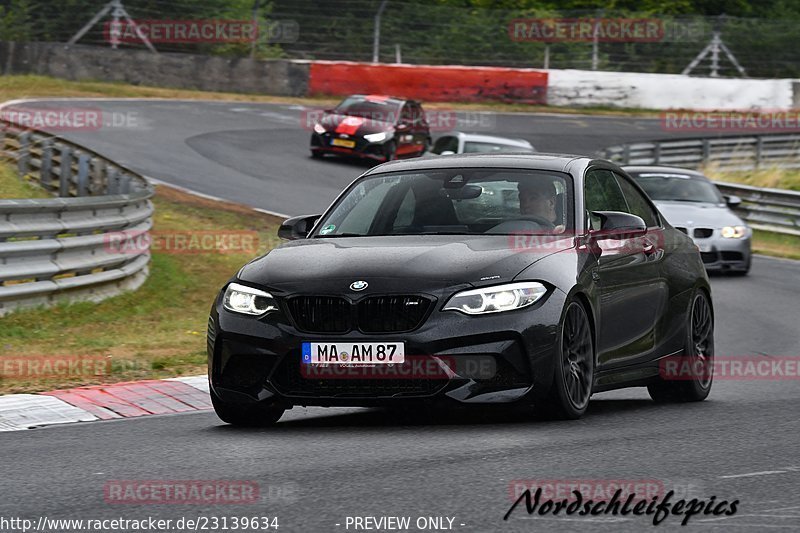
656,169
396,99
535,161
477,137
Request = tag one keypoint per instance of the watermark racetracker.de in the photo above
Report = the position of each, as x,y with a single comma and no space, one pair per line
438,120
198,492
182,242
745,121
57,119
605,30
163,31
731,368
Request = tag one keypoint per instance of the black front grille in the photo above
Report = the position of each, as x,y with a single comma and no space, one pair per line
374,314
320,314
391,314
703,233
290,379
732,256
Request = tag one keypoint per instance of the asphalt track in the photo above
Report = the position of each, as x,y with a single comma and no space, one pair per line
319,466
257,154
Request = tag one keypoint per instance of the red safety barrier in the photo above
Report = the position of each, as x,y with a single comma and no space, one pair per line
429,83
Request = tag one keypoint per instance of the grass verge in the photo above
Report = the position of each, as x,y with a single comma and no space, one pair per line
776,244
30,86
157,331
13,187
774,178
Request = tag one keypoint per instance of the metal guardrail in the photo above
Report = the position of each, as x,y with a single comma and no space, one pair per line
773,210
724,153
57,249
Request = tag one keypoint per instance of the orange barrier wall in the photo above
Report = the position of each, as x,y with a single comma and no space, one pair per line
429,83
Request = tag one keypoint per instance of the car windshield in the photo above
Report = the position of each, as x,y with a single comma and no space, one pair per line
483,147
678,188
453,202
375,108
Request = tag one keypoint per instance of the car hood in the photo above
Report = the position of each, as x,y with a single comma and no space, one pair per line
389,264
353,125
698,214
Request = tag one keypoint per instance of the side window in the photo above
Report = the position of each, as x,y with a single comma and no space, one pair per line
637,203
422,118
601,193
444,144
407,114
416,113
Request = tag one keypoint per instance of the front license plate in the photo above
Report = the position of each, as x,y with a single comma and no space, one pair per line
704,246
353,353
345,143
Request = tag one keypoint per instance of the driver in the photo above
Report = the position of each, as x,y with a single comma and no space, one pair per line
537,198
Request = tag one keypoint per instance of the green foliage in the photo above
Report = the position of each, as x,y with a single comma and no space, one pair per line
762,35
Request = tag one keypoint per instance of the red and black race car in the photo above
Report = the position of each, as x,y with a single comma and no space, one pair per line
373,127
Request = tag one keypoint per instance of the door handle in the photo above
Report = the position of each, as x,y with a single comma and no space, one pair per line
649,247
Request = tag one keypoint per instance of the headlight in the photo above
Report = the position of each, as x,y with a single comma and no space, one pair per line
247,300
377,137
319,128
734,232
496,299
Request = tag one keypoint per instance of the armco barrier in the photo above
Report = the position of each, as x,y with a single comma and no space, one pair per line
741,152
56,249
429,83
773,210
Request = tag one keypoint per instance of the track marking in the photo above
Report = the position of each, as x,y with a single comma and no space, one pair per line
754,474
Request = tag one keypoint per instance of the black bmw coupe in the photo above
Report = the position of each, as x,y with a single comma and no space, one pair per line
476,279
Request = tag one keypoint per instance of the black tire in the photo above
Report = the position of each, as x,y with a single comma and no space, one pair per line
699,349
246,415
316,154
573,375
390,151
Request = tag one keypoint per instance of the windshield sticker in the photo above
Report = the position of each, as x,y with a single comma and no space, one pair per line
327,229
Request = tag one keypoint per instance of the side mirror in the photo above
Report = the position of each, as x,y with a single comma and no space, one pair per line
732,200
297,227
618,225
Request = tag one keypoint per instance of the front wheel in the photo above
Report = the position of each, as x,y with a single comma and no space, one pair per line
247,415
698,357
573,375
390,151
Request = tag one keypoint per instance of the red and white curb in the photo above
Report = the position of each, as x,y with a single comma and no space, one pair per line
104,402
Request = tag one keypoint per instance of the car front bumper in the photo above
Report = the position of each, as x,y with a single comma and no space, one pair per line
321,144
721,254
497,358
